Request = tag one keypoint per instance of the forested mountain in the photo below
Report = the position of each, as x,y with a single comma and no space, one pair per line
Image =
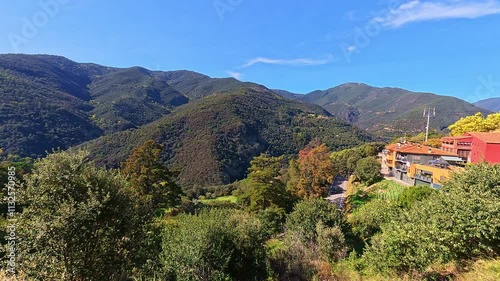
212,140
389,111
288,94
45,104
492,104
52,102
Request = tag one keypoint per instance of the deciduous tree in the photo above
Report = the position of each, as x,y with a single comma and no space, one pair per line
475,123
264,185
314,172
150,178
367,170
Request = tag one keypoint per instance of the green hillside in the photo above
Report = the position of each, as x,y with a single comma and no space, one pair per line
44,104
194,85
389,111
51,102
212,140
132,97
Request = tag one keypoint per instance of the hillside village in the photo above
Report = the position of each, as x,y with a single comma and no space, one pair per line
417,164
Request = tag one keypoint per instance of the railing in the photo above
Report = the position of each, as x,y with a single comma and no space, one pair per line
402,168
402,159
423,178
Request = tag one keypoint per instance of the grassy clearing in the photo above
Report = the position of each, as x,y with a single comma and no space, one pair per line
359,195
482,270
229,198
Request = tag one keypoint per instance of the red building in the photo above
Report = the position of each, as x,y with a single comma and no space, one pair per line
461,146
475,147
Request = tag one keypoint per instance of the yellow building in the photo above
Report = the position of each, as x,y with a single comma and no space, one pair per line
418,164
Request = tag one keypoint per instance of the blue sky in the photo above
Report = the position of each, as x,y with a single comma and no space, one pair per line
449,47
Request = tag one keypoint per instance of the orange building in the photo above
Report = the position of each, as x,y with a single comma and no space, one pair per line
418,164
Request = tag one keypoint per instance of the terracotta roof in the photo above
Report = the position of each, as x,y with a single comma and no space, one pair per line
391,146
487,137
412,148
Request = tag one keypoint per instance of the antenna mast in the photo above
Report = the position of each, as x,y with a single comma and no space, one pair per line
428,114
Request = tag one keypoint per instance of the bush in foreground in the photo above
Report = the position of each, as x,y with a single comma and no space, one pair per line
78,223
218,244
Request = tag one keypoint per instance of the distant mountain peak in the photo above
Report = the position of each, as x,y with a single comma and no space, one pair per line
389,111
492,104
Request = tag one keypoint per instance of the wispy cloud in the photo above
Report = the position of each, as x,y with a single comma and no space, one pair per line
351,48
291,62
234,74
419,11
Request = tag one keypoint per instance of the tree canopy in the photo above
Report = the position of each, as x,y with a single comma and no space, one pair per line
150,178
476,123
367,170
312,174
78,222
264,187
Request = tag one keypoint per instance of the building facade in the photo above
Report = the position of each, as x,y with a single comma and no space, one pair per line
417,164
475,147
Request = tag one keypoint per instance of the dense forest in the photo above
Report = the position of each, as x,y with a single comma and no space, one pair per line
51,102
211,141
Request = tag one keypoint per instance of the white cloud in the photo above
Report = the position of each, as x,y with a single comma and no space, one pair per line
234,74
351,48
419,11
292,62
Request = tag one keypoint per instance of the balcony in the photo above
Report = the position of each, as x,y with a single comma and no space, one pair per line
424,177
402,158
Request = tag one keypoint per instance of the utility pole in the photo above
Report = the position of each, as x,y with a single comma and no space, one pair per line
428,114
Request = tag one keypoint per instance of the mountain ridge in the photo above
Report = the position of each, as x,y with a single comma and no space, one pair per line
492,104
389,111
52,102
212,140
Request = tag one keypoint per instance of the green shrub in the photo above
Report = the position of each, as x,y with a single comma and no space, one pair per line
78,222
217,244
413,194
272,220
308,213
367,170
461,223
331,243
367,220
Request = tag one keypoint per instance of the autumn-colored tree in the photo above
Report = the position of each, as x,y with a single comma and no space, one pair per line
310,146
475,123
312,174
493,121
150,178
